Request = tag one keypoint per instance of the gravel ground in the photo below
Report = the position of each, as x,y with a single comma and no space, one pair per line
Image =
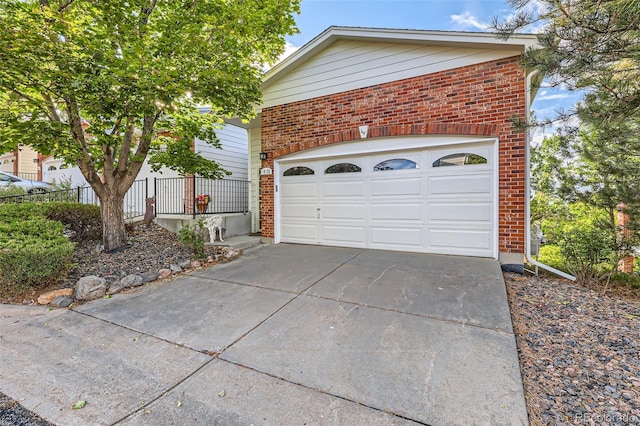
151,248
579,352
14,414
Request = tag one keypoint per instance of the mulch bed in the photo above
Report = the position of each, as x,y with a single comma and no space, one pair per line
579,351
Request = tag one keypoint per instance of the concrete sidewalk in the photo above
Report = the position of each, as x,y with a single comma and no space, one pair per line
286,334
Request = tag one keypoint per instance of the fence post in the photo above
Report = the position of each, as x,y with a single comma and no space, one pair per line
193,199
146,188
155,194
78,194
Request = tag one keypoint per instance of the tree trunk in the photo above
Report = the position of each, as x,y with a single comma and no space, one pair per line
114,234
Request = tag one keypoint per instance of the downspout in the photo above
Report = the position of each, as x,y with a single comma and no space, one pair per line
527,195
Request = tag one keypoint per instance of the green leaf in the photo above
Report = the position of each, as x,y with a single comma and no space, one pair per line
222,393
80,404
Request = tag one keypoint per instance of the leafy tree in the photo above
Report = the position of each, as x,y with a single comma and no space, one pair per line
104,84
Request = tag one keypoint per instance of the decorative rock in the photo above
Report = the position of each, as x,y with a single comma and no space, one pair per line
98,249
116,287
230,252
90,287
149,276
46,298
132,280
195,264
184,264
210,259
62,302
175,268
164,273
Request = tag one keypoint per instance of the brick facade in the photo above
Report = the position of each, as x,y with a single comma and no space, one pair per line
473,100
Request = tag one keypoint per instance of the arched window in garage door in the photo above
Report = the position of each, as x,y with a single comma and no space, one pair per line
395,164
342,168
459,159
298,171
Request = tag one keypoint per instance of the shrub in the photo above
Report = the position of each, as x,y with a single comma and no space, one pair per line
33,254
589,252
11,191
630,280
552,255
192,236
33,249
83,220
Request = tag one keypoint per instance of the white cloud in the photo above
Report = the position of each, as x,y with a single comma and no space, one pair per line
551,97
467,20
289,49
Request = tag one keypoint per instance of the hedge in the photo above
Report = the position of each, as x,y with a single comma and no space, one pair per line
33,249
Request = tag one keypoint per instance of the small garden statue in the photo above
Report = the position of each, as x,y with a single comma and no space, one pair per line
213,223
148,211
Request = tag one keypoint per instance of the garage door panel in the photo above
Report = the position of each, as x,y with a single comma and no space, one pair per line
459,185
294,211
293,232
299,189
396,187
464,212
386,236
343,189
343,211
460,238
352,234
396,212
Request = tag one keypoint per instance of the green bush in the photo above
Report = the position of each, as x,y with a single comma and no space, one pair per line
83,220
11,190
590,252
34,253
552,255
193,237
630,280
33,249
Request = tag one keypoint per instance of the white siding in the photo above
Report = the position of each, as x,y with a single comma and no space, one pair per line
254,177
354,64
234,153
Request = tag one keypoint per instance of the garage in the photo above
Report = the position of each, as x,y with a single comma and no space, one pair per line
421,195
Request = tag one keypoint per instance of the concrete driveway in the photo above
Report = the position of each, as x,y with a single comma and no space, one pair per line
286,334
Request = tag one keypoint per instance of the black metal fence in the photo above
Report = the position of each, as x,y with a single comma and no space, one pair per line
173,196
182,195
84,195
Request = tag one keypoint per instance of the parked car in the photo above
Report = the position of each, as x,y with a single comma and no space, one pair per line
31,186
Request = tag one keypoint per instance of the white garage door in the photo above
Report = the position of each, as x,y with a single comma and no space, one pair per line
428,200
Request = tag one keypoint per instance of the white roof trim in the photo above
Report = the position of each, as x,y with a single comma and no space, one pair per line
450,38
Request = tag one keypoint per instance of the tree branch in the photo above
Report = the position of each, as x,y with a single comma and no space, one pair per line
145,12
125,149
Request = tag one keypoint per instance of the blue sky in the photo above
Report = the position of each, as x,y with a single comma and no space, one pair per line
452,15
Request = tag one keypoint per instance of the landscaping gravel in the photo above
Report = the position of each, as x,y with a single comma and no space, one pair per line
151,249
579,352
14,414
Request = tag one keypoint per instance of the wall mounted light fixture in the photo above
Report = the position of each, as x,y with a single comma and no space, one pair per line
264,155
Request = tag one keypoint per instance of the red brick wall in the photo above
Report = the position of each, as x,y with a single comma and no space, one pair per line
474,100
